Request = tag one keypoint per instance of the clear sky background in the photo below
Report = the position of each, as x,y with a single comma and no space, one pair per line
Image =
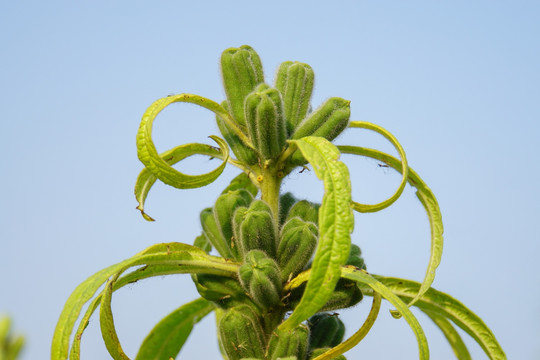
456,82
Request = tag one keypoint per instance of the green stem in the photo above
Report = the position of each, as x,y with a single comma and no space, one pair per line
270,185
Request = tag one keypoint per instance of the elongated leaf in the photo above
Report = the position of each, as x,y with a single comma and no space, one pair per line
148,155
335,226
451,335
146,178
357,336
428,200
372,283
189,259
446,306
132,277
169,335
363,208
108,331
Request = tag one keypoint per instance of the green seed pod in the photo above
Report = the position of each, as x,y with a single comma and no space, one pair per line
244,153
266,122
298,240
241,181
305,210
326,330
355,257
242,71
321,351
202,242
285,202
260,277
328,121
213,233
241,334
284,344
345,295
224,209
224,291
295,82
255,229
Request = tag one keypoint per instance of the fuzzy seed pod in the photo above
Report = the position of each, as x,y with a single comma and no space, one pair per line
213,233
242,71
241,150
224,209
241,334
285,344
260,277
355,257
298,240
286,201
241,181
328,121
305,210
266,122
321,351
295,82
345,295
326,330
255,229
223,291
202,242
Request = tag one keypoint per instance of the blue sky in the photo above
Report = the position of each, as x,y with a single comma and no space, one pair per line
455,82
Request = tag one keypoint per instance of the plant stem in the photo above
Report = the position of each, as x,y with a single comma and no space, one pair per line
270,185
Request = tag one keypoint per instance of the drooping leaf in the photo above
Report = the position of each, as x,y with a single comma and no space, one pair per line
451,335
189,259
363,208
148,155
169,335
428,200
106,321
367,281
335,226
446,306
129,278
146,178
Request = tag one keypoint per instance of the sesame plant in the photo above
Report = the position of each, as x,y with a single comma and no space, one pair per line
273,268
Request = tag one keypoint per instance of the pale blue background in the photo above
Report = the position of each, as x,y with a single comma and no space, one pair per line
457,82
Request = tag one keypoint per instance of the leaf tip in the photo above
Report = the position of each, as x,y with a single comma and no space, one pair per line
145,215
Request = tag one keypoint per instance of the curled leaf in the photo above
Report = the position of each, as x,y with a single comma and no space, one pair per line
160,168
428,200
146,178
363,208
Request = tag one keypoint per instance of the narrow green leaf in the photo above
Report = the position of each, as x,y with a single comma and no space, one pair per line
404,167
428,200
108,331
187,258
335,226
370,282
148,155
357,336
446,306
169,335
146,178
451,335
132,277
